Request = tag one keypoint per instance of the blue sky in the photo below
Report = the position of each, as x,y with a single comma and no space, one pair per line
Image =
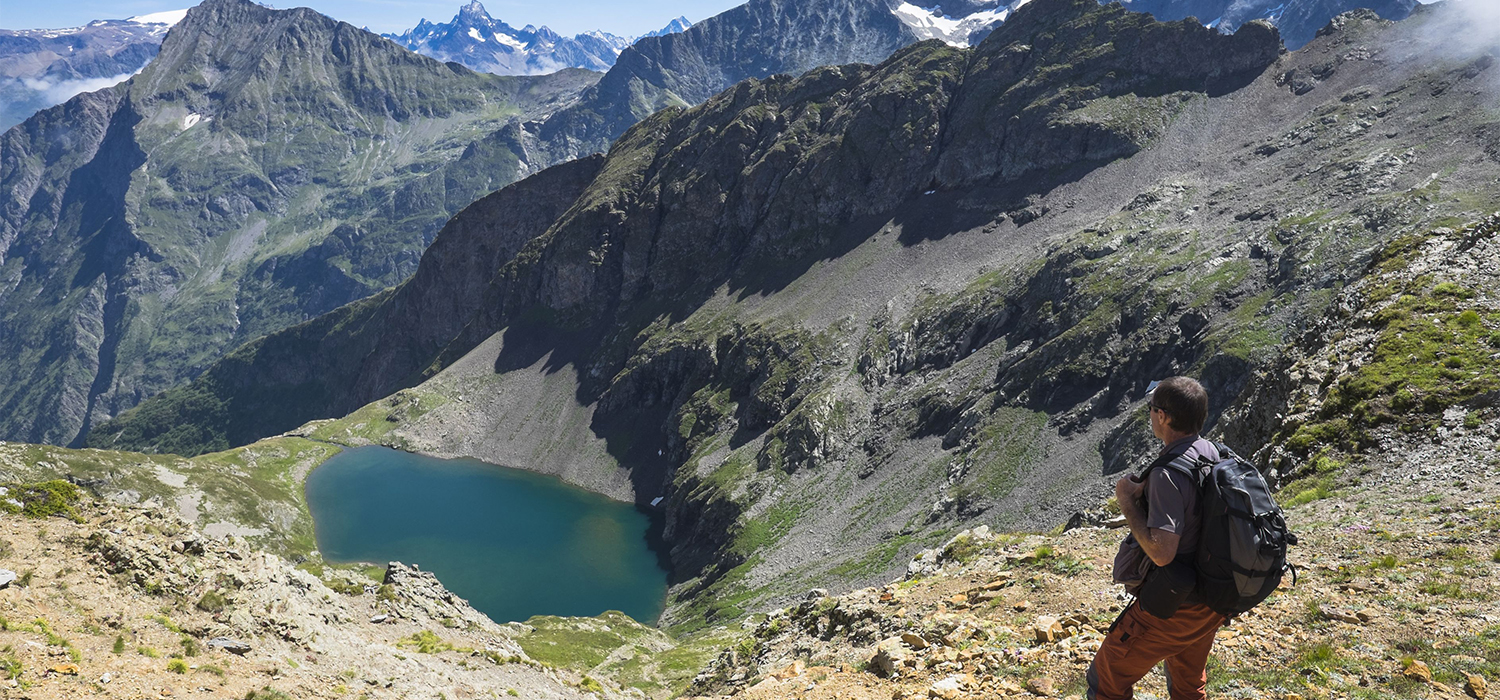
563,16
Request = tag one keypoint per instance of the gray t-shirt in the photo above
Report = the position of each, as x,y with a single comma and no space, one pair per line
1171,506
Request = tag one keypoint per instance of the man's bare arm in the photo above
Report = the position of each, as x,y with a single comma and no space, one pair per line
1160,545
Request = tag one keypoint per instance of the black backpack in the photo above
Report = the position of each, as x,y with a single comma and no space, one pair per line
1242,549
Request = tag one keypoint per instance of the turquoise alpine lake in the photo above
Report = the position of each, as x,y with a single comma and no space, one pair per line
514,543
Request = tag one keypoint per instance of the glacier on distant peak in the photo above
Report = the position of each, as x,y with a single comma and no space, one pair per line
931,23
169,17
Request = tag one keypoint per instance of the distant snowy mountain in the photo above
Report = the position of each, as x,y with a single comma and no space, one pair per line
484,43
957,23
680,24
44,67
967,22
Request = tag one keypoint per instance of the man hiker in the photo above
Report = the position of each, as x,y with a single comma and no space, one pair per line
1164,519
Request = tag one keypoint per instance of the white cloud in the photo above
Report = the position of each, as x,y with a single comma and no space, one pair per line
1460,31
56,92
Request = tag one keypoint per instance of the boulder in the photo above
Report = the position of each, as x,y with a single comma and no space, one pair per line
7,577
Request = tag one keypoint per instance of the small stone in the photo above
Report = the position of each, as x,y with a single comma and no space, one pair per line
7,577
1001,580
947,689
1291,696
382,617
1475,685
1021,606
914,641
1418,671
107,677
1040,686
766,684
959,599
232,646
1341,616
792,670
65,669
1047,630
1367,614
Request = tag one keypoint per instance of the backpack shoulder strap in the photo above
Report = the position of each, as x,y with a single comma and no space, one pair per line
1180,463
1225,452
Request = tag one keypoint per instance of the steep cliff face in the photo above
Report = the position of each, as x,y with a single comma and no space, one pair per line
829,319
267,167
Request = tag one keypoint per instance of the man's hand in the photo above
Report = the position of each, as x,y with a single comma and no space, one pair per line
1128,490
1160,546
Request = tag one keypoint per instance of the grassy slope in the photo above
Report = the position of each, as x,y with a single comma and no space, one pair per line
255,490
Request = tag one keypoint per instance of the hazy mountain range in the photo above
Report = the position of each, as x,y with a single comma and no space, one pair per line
43,67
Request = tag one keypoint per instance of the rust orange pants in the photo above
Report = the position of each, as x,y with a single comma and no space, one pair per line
1142,640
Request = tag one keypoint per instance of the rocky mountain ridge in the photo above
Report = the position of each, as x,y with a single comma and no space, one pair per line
1298,20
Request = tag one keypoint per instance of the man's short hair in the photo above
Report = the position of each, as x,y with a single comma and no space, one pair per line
1184,401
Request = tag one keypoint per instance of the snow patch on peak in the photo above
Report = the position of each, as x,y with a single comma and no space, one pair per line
681,24
474,34
169,18
509,40
926,23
